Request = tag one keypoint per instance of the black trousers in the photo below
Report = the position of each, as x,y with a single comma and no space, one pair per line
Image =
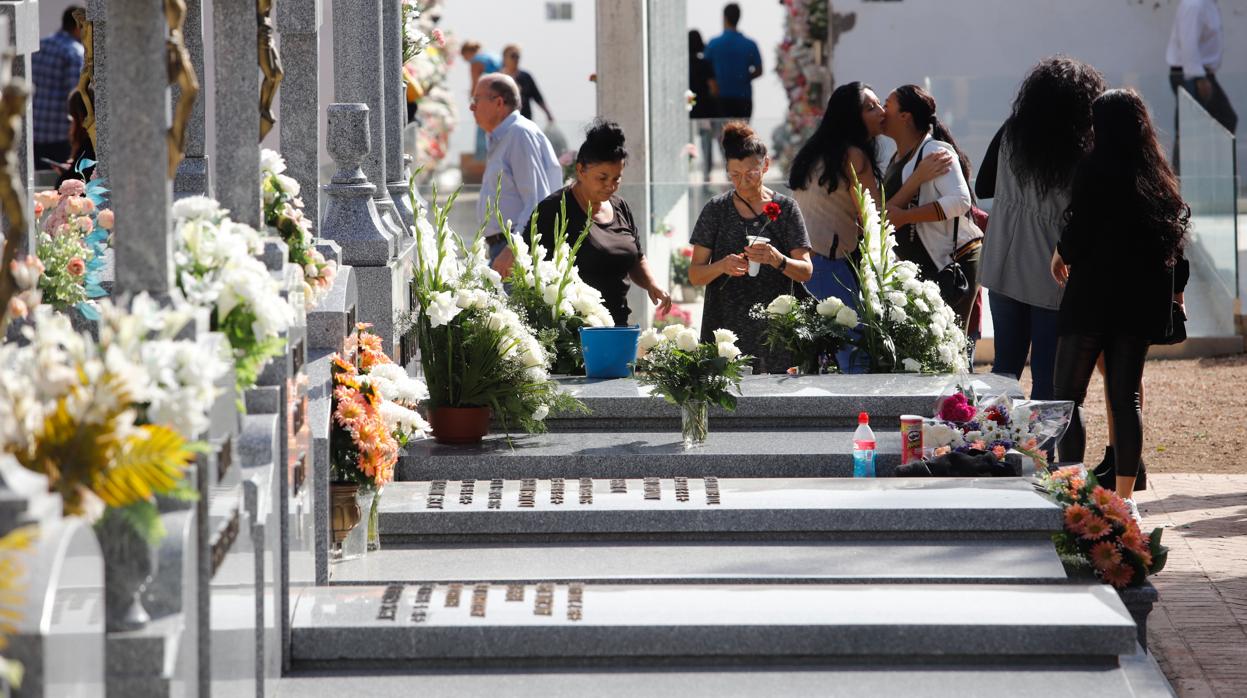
1124,358
1218,107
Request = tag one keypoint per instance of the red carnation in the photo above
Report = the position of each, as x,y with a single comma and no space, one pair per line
772,210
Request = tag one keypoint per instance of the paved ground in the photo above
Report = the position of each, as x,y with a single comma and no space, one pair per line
1198,631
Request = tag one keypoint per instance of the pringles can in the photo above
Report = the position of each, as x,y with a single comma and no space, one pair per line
911,438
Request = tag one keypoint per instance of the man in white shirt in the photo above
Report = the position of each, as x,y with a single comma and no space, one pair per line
518,152
1194,56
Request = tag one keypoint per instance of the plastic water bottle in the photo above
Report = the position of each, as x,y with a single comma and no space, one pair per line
863,448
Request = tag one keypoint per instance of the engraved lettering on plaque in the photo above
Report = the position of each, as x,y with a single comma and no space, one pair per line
575,601
712,490
586,490
453,592
495,493
544,605
681,489
299,414
480,594
467,489
556,490
515,592
420,609
653,488
389,602
619,486
437,494
528,493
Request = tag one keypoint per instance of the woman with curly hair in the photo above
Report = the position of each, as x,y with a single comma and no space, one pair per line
1120,262
1028,170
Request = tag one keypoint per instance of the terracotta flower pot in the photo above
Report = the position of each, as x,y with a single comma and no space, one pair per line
460,425
344,511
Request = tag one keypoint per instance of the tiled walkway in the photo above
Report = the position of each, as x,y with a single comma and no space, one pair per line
1198,631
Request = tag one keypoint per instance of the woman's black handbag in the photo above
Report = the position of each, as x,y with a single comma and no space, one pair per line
954,286
1175,328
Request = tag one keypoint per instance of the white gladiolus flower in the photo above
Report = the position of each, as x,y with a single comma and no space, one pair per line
781,305
905,272
541,412
721,335
911,365
829,306
550,293
728,350
442,309
649,339
847,316
670,331
687,340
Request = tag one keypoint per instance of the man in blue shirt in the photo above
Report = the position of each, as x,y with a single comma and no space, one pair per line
737,63
518,152
56,67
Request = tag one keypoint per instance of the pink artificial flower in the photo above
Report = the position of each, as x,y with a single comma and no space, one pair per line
84,223
79,205
48,199
691,152
567,158
17,308
439,38
105,219
73,187
956,408
38,209
76,267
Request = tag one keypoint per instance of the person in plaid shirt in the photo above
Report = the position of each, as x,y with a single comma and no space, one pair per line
56,67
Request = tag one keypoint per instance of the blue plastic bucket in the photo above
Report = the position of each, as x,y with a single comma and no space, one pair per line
609,350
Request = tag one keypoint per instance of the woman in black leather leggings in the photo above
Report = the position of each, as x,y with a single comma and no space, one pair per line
1120,260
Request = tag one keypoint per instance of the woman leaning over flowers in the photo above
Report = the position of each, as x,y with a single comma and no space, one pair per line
722,253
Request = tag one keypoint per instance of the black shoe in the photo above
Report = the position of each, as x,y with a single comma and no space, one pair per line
1106,471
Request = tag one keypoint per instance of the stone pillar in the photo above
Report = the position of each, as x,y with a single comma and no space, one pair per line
351,219
395,96
237,90
192,176
97,13
23,37
358,78
623,95
298,23
139,98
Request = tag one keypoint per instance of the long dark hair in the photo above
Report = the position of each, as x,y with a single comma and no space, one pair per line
1049,130
1126,161
696,44
921,105
841,128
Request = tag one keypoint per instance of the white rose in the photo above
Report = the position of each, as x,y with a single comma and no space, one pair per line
936,434
847,316
728,350
290,185
781,305
540,413
722,335
464,298
272,161
911,365
649,339
686,340
829,306
670,331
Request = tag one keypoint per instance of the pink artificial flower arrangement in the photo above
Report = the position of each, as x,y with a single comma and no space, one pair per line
956,408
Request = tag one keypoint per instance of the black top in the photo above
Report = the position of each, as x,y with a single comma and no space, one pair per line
528,94
610,252
700,73
1118,281
908,246
985,183
729,299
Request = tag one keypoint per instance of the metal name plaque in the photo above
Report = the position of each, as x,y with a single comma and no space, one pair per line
552,494
460,604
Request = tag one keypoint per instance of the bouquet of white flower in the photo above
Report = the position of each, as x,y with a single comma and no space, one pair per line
550,294
217,267
475,350
690,373
812,331
905,324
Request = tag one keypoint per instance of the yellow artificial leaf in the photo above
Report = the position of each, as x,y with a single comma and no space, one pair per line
151,461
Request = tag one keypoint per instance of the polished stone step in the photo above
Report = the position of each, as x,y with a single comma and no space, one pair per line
787,453
683,508
892,562
526,625
771,402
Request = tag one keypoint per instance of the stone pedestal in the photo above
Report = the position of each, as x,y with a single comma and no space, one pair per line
237,89
192,176
298,23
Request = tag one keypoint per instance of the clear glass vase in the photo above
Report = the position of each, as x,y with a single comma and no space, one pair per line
694,423
356,542
374,531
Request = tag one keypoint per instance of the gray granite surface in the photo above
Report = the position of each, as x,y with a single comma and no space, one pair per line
1138,676
298,22
330,322
987,622
692,506
779,453
193,172
394,100
773,401
236,81
899,562
351,218
318,416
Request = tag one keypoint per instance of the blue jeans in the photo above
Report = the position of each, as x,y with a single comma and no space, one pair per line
1022,328
834,277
